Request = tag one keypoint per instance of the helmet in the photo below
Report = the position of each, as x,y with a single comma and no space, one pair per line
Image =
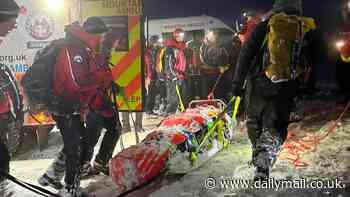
247,14
153,39
95,25
178,33
283,4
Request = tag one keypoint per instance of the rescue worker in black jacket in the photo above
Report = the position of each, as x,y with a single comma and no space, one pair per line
269,101
175,68
219,52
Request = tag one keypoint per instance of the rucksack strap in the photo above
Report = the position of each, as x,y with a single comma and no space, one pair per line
12,82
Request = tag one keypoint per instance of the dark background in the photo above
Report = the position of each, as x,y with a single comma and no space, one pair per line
326,12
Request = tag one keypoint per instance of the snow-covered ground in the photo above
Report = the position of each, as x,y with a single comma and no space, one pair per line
327,158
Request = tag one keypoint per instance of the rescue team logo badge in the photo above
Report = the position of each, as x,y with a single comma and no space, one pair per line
40,26
78,59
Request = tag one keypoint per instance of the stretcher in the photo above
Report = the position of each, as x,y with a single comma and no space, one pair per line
180,143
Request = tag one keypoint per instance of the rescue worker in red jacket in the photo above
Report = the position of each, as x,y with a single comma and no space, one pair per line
10,115
152,78
196,79
8,10
174,69
104,116
84,48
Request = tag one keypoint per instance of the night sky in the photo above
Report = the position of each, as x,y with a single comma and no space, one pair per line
326,12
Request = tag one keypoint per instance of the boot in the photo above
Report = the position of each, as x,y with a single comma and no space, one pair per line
45,181
101,167
69,191
73,190
87,171
95,169
261,174
5,189
53,175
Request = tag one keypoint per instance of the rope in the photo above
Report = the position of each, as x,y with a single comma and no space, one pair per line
296,148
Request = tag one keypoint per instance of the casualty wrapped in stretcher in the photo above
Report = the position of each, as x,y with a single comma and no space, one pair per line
180,143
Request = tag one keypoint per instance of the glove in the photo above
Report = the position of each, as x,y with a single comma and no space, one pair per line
236,89
223,69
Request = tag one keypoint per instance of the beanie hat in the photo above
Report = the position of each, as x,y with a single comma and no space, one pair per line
8,9
95,25
153,39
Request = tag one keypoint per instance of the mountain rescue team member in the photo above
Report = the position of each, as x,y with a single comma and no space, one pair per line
104,114
269,94
71,125
174,69
219,53
8,10
196,89
9,114
152,78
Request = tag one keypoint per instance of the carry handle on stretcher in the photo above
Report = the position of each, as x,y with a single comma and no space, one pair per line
215,102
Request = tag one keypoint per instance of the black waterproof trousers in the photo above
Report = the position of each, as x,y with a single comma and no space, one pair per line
173,97
73,131
4,159
198,87
94,125
151,95
268,108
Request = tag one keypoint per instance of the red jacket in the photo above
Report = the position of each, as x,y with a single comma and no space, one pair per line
151,57
80,73
8,95
345,49
248,28
180,63
4,103
7,100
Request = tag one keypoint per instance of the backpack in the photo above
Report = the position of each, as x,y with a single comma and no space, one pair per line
283,44
37,81
223,54
64,77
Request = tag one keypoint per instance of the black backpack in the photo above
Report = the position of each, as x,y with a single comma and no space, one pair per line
222,54
37,82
